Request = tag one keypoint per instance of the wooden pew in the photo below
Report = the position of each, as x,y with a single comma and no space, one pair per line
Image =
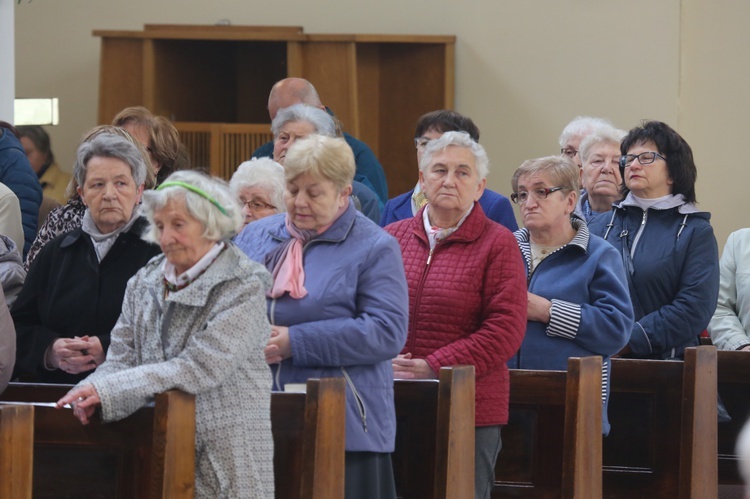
663,441
309,437
733,373
434,456
552,444
150,454
16,450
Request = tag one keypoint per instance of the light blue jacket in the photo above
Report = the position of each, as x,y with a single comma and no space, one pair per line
352,322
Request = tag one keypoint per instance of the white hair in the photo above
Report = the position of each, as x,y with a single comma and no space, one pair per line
217,224
264,173
458,139
743,451
582,126
600,136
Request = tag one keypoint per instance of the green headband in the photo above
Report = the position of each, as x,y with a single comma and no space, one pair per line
194,189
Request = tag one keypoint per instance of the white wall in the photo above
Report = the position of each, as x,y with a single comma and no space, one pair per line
7,60
524,68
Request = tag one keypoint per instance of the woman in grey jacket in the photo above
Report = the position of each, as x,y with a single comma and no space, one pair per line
194,319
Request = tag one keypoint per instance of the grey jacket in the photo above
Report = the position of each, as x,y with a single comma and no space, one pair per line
12,273
206,339
7,344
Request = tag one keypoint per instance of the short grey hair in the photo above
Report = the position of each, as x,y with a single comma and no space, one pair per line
319,119
458,139
600,136
581,126
743,451
108,145
216,224
264,173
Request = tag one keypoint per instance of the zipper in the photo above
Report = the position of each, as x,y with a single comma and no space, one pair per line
638,234
360,404
276,375
418,298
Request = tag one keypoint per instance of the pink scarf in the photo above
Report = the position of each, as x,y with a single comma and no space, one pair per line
285,262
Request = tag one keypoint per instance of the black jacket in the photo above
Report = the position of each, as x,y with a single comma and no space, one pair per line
69,293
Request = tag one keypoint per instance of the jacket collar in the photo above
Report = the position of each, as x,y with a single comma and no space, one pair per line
337,232
196,293
135,231
580,240
470,230
674,201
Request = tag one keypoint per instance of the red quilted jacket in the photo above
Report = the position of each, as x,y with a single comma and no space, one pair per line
467,305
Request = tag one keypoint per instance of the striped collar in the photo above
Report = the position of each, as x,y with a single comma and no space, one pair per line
580,240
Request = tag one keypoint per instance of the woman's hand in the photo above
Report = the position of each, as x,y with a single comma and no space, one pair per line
71,355
96,350
84,401
404,367
538,308
278,347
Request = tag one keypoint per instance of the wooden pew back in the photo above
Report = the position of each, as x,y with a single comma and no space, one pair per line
434,456
733,371
555,425
309,440
663,437
16,450
148,454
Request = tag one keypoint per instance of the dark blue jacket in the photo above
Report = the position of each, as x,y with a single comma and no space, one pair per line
16,173
369,171
672,258
591,312
496,206
354,317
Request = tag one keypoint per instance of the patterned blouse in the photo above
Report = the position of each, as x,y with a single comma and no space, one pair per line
61,220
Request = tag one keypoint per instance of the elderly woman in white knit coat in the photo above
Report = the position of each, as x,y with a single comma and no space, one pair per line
194,319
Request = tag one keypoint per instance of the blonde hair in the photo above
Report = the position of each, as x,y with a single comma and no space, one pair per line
560,170
329,158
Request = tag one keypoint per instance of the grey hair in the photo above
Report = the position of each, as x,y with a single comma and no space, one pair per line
264,173
601,136
458,139
582,125
216,225
319,119
743,451
108,145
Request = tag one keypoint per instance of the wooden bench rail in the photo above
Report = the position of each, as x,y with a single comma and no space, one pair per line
151,453
309,440
16,451
435,418
663,440
552,445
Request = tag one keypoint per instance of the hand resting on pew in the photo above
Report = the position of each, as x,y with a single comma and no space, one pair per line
84,400
404,367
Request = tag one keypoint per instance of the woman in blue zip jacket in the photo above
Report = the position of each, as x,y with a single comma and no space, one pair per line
667,244
339,304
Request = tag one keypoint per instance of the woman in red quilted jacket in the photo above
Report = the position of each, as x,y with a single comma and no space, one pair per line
467,290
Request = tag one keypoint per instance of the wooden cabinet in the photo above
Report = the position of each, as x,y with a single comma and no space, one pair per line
209,79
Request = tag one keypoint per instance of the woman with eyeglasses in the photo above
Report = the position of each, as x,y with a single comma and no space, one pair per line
666,243
258,184
578,303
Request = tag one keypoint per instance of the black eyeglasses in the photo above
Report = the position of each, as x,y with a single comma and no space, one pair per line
521,197
257,206
644,158
568,151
